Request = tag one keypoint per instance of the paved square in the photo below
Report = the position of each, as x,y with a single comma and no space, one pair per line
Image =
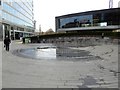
20,72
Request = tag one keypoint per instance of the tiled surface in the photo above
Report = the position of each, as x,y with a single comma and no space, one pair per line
19,72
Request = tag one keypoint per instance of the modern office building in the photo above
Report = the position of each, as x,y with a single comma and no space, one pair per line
16,18
106,19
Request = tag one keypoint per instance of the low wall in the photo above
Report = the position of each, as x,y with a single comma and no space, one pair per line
75,37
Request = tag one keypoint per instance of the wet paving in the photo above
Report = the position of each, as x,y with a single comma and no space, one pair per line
56,53
88,80
46,65
76,50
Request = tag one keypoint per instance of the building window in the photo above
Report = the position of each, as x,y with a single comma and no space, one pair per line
11,28
76,21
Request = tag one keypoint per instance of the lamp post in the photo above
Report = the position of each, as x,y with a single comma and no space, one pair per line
39,29
39,33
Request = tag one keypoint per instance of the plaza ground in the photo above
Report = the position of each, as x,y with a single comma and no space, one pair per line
20,72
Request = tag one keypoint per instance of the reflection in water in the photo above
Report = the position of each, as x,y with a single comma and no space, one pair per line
46,53
40,53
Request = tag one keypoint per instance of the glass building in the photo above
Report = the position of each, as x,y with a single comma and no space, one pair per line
16,18
107,19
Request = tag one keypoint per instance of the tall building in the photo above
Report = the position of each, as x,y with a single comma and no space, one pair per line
16,18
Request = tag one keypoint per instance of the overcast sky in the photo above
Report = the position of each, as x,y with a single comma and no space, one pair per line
45,11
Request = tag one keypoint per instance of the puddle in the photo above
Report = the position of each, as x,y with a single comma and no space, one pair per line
89,80
56,53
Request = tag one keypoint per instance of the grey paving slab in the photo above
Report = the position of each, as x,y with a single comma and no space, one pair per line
20,72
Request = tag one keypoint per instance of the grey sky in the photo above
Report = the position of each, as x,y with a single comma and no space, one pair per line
45,11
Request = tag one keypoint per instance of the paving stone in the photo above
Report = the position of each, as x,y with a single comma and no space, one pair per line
93,86
68,86
73,83
23,72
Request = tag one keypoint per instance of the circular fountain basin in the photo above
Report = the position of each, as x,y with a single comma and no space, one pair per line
56,53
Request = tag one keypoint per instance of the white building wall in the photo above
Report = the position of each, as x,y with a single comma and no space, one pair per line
119,4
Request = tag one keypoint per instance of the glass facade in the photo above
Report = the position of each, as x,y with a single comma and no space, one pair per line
77,21
89,19
18,15
18,12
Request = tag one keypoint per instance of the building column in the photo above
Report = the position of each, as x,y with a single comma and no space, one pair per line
13,34
1,31
6,31
9,31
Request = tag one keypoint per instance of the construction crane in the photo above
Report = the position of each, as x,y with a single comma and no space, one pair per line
110,3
